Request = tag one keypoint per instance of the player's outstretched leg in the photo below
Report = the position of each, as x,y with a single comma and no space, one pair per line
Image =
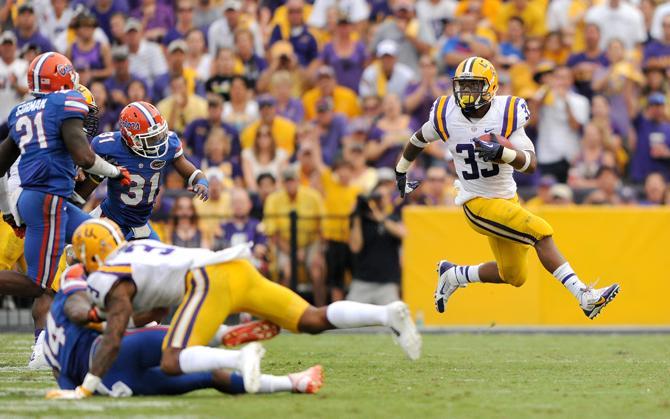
591,300
308,381
253,331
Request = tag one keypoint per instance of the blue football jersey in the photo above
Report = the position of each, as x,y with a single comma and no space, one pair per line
66,345
131,206
35,125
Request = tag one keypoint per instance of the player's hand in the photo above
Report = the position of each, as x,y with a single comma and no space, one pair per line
405,186
19,231
76,394
124,176
201,189
488,151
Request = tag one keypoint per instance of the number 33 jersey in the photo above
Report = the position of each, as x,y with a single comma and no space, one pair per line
477,178
131,206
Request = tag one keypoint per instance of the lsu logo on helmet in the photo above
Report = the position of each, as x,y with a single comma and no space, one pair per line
94,240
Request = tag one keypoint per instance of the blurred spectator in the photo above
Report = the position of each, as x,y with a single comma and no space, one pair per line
363,177
107,117
242,228
543,196
91,58
344,54
331,128
434,14
222,31
661,11
183,228
181,107
29,52
117,28
223,71
218,205
343,99
567,16
358,11
206,12
591,157
146,58
267,184
466,44
308,205
26,30
586,63
156,17
412,39
309,164
376,237
617,19
420,94
386,74
218,148
613,131
657,52
184,13
297,33
389,134
287,106
561,194
510,51
197,57
522,73
437,189
117,84
607,188
554,50
55,18
282,58
263,157
242,109
176,61
531,12
251,62
13,81
655,188
562,113
283,130
197,131
651,149
137,91
372,109
105,11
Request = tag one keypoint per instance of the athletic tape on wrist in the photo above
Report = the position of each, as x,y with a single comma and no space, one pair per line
191,178
508,155
414,140
403,165
527,163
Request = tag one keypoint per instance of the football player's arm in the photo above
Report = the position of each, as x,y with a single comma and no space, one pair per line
197,183
419,140
76,142
84,189
79,309
522,157
9,152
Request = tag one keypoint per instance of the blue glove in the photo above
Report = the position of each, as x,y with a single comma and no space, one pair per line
488,151
201,189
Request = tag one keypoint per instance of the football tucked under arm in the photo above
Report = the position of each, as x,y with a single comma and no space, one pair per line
517,151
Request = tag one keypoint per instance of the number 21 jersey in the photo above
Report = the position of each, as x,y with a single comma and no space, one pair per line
131,206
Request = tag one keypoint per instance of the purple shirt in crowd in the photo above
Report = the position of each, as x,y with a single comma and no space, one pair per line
348,70
331,140
87,60
421,112
388,158
642,163
195,136
113,84
658,51
118,6
234,234
293,110
162,18
36,38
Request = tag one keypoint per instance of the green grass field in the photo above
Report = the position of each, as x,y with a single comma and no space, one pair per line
459,376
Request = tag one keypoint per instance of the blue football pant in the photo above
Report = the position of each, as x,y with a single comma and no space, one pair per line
50,222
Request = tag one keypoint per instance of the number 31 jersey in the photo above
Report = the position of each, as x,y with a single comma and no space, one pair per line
477,178
35,126
131,206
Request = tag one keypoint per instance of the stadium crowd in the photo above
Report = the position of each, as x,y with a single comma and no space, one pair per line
293,105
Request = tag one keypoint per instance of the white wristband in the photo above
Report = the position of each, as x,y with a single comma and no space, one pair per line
102,168
508,155
403,165
191,178
527,162
414,140
91,382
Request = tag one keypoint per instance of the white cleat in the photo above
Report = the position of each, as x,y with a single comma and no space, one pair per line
447,284
592,301
404,329
250,366
37,359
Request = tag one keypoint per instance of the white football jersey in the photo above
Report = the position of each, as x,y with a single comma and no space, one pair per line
158,271
477,178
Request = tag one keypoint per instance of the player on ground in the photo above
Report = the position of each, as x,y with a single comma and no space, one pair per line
470,121
138,276
72,342
47,132
146,147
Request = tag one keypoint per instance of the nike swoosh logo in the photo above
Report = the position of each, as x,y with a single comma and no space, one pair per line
442,290
601,301
487,130
395,331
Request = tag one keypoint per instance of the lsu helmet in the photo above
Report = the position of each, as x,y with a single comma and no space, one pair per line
94,240
51,72
91,121
144,129
475,83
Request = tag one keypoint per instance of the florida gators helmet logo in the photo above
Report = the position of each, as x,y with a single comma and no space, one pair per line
51,72
144,129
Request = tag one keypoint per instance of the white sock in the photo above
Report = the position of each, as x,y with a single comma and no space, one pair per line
218,336
350,314
274,383
569,279
203,358
467,274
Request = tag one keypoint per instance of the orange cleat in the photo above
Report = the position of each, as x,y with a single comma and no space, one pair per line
308,381
250,332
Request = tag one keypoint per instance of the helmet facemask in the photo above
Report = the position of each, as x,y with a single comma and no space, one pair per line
151,144
91,121
471,93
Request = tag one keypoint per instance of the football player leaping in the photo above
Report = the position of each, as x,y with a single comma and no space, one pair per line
487,190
